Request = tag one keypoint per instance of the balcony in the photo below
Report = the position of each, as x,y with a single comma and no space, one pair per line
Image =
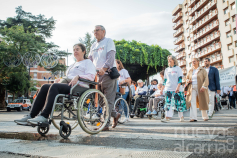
179,40
209,50
227,28
179,48
177,17
182,63
207,19
232,12
192,3
216,59
204,11
207,40
234,38
199,5
225,5
184,71
226,16
205,31
230,53
181,55
177,9
178,24
219,67
229,40
179,32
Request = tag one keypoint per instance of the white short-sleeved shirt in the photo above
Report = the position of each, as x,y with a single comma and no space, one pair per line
123,76
172,75
84,67
153,86
99,51
142,89
194,76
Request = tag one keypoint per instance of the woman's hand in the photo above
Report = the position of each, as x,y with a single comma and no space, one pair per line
177,90
189,81
74,81
202,89
57,80
121,82
157,95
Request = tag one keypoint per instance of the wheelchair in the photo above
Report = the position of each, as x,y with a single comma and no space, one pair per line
225,101
121,106
71,109
160,108
142,106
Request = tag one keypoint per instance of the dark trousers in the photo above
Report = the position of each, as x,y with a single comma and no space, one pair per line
232,101
46,96
136,103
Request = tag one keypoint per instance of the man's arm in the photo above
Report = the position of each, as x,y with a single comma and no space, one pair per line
217,78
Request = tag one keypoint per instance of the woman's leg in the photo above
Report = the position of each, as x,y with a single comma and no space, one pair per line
193,107
150,104
155,103
125,107
169,113
40,100
54,90
181,114
204,114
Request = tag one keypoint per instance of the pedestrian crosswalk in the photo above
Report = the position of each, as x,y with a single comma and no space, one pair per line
136,138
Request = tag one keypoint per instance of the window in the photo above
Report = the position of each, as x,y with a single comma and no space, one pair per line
232,6
190,64
226,10
229,46
231,59
189,56
35,74
234,30
227,22
235,44
233,18
223,1
228,34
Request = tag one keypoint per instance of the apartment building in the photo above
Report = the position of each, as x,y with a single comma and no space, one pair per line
205,28
43,76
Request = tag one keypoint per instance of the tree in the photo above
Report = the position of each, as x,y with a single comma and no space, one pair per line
140,59
21,34
87,41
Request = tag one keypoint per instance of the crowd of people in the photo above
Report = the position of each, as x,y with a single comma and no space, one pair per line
201,86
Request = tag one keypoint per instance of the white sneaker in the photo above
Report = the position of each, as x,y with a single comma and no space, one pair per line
126,120
182,119
35,121
87,116
24,120
165,120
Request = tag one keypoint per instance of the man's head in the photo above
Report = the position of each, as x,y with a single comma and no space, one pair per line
159,86
99,32
140,83
207,62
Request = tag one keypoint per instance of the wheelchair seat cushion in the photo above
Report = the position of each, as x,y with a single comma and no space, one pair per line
79,90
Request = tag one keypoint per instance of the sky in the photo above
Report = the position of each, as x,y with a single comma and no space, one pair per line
147,21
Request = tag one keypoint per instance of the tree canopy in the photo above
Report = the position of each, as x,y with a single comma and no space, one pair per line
141,60
88,40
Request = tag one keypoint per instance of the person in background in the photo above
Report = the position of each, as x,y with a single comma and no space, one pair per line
141,90
153,87
214,85
135,86
174,95
162,73
153,102
231,97
132,87
197,82
149,86
235,95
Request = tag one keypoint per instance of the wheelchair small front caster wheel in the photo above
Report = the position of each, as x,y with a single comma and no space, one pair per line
162,115
65,131
150,117
43,130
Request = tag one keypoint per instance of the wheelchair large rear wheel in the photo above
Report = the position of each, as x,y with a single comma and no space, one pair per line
69,116
93,111
121,106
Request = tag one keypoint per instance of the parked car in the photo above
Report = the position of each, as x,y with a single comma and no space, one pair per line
19,105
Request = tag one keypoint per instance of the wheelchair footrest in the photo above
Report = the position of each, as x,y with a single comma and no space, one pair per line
28,124
43,124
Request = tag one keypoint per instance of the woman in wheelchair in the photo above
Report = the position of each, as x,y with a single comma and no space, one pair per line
153,102
82,68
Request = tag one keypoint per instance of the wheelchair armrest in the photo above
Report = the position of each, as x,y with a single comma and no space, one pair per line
88,81
145,95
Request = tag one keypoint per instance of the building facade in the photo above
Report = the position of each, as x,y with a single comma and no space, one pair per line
41,76
205,28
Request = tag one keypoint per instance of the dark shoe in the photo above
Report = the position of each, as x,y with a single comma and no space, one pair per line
116,120
205,119
105,129
193,120
132,114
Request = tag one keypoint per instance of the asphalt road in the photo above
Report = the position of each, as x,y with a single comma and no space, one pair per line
136,138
